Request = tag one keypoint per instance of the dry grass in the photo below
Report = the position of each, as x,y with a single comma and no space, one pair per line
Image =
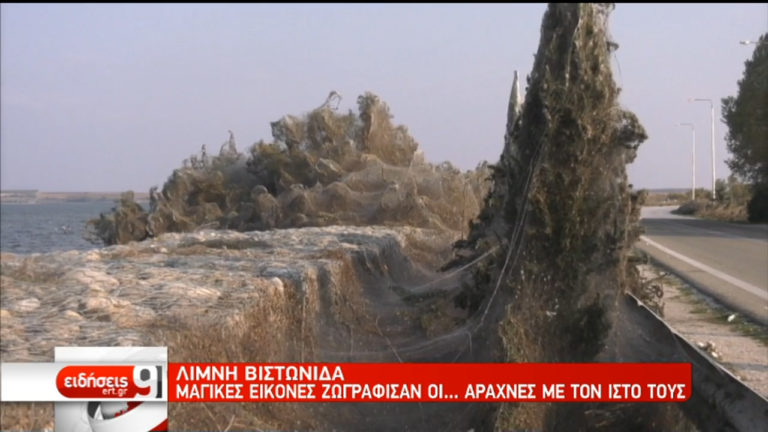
282,326
665,199
30,269
26,416
267,331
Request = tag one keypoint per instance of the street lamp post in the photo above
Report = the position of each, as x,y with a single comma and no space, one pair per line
712,112
693,159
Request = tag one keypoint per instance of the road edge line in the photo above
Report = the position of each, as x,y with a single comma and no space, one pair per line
703,267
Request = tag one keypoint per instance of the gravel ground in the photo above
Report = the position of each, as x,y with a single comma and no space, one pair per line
739,346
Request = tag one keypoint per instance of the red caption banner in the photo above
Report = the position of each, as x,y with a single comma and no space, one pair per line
429,382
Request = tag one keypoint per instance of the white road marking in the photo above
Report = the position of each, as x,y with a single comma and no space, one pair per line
717,273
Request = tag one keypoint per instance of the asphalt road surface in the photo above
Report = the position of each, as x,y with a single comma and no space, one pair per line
727,261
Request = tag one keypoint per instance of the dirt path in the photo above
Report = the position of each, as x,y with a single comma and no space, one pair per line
738,345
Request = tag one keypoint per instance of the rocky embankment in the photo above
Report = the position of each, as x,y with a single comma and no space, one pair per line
337,293
208,280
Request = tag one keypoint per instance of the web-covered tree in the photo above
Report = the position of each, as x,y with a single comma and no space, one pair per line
746,116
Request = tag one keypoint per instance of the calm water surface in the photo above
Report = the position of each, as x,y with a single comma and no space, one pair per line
33,228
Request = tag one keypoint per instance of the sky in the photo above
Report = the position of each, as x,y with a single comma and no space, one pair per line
113,97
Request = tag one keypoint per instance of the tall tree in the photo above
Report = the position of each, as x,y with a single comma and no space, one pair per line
746,116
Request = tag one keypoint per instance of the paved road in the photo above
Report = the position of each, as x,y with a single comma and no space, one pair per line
725,260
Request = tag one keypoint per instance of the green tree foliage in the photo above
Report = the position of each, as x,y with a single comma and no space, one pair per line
732,191
747,118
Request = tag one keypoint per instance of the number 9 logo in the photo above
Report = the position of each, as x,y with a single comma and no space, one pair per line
149,380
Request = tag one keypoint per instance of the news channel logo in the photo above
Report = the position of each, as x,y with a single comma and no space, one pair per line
111,381
92,380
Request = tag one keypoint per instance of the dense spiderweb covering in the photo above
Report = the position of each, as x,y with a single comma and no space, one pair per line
322,168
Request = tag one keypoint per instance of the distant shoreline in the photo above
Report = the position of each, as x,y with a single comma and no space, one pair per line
31,196
39,197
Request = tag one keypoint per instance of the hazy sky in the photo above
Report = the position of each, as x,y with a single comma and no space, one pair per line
114,97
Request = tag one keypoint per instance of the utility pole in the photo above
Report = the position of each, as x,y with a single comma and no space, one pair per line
693,159
712,112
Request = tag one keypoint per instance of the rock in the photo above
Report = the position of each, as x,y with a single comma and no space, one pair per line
710,348
192,292
72,315
277,284
95,280
27,305
66,331
92,256
134,316
131,339
97,305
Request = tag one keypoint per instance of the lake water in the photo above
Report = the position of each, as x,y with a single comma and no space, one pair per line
32,228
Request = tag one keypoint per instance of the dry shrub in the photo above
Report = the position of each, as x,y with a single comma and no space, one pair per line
321,169
714,210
